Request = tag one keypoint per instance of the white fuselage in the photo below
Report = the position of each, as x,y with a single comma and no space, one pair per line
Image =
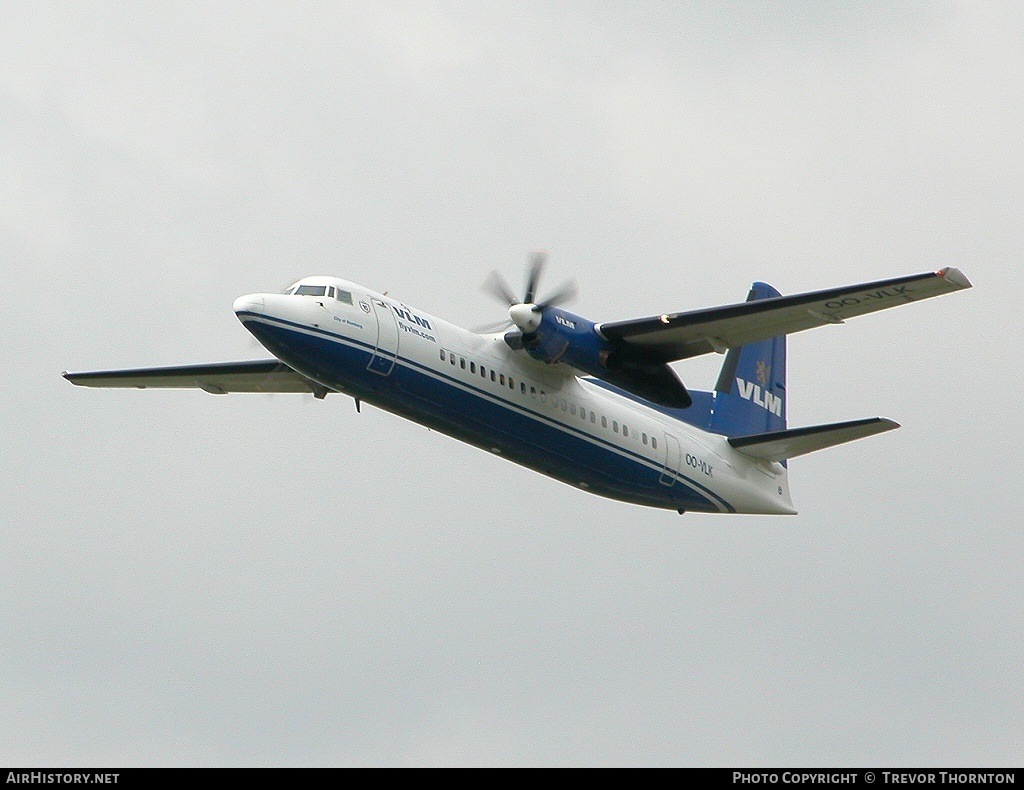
475,388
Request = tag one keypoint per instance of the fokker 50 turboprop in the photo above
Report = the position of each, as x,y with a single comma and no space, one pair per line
594,405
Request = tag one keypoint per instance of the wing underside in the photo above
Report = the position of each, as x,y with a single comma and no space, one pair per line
220,378
675,336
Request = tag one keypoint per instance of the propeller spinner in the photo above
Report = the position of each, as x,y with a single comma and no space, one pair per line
525,314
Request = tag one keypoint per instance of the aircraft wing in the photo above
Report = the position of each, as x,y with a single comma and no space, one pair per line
780,445
674,336
220,378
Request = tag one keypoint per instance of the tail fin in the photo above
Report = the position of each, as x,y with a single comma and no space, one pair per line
750,396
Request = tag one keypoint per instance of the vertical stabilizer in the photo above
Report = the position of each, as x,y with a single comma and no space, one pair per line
750,396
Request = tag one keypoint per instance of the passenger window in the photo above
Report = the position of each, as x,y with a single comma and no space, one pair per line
492,375
502,379
483,372
615,426
625,430
543,396
511,383
522,387
451,358
472,367
592,417
583,413
533,392
462,362
644,438
654,443
572,409
565,404
604,421
442,355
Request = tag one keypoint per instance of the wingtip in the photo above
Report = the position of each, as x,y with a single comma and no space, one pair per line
955,276
74,378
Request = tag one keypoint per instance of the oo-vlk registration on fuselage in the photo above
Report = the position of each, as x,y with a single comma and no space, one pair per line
596,406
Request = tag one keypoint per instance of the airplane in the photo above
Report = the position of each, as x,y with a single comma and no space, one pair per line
594,405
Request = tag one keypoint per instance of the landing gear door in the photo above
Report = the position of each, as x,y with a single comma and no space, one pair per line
383,359
673,457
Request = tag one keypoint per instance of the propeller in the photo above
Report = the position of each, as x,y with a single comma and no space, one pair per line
525,313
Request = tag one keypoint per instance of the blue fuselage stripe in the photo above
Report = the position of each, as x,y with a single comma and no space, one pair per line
480,417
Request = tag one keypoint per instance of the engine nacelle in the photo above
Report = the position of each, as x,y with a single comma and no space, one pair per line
564,337
571,339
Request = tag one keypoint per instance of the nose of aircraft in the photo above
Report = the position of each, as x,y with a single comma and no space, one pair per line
252,303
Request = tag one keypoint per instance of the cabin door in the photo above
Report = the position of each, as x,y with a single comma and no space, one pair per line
383,359
673,458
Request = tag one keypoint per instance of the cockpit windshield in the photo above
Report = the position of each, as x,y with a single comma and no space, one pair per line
320,290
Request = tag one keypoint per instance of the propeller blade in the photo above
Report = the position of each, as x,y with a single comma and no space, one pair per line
497,326
566,293
537,261
496,286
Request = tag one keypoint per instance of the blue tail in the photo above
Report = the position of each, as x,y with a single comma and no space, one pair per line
750,396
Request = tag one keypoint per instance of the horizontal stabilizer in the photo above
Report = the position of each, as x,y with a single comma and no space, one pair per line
780,445
262,375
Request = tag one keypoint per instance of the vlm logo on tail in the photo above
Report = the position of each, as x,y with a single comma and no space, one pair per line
759,397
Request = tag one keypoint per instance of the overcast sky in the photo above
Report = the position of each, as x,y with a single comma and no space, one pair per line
273,580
